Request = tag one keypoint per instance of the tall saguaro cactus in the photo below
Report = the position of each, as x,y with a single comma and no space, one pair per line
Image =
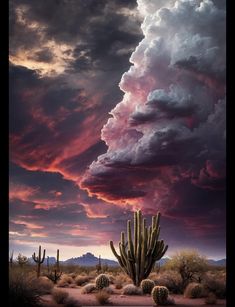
39,260
138,256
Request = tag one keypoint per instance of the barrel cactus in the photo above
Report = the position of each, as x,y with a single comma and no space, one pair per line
194,290
160,295
147,286
102,281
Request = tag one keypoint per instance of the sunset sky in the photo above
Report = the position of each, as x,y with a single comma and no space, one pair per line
116,105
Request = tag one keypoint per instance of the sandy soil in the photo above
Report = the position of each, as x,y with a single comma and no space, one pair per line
128,300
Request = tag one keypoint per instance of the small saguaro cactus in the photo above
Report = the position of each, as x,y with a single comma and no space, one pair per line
147,286
48,264
137,257
58,261
39,260
102,281
11,259
98,266
160,295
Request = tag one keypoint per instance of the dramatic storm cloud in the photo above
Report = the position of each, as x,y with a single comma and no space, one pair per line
85,153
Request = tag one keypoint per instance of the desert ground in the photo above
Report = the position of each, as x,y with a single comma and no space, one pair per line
117,299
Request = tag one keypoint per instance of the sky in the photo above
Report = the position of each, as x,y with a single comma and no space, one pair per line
116,106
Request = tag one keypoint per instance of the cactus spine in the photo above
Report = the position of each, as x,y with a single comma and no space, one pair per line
39,260
138,257
160,295
102,281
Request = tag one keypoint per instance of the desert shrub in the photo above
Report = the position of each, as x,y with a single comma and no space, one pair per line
102,297
72,286
189,264
194,290
118,285
62,284
211,299
44,285
147,286
73,275
23,291
160,295
102,281
89,288
67,278
71,302
170,279
131,289
59,296
215,283
109,290
111,278
81,280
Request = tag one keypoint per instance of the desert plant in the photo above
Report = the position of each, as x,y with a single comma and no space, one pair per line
102,281
211,299
54,276
89,288
71,302
102,297
22,260
215,283
11,259
81,280
194,290
39,260
160,295
98,266
23,291
59,296
138,258
44,285
170,279
147,286
118,285
190,265
131,289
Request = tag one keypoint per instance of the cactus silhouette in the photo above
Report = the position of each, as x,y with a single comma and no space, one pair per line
11,259
39,260
137,257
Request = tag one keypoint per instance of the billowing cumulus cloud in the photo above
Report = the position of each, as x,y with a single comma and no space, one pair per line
170,125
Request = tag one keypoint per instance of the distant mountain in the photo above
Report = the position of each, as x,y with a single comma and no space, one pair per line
89,259
221,262
52,260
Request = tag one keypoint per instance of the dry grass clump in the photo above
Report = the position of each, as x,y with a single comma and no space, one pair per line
59,296
118,285
89,288
131,289
215,283
170,279
211,299
71,302
44,285
102,297
81,280
23,291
